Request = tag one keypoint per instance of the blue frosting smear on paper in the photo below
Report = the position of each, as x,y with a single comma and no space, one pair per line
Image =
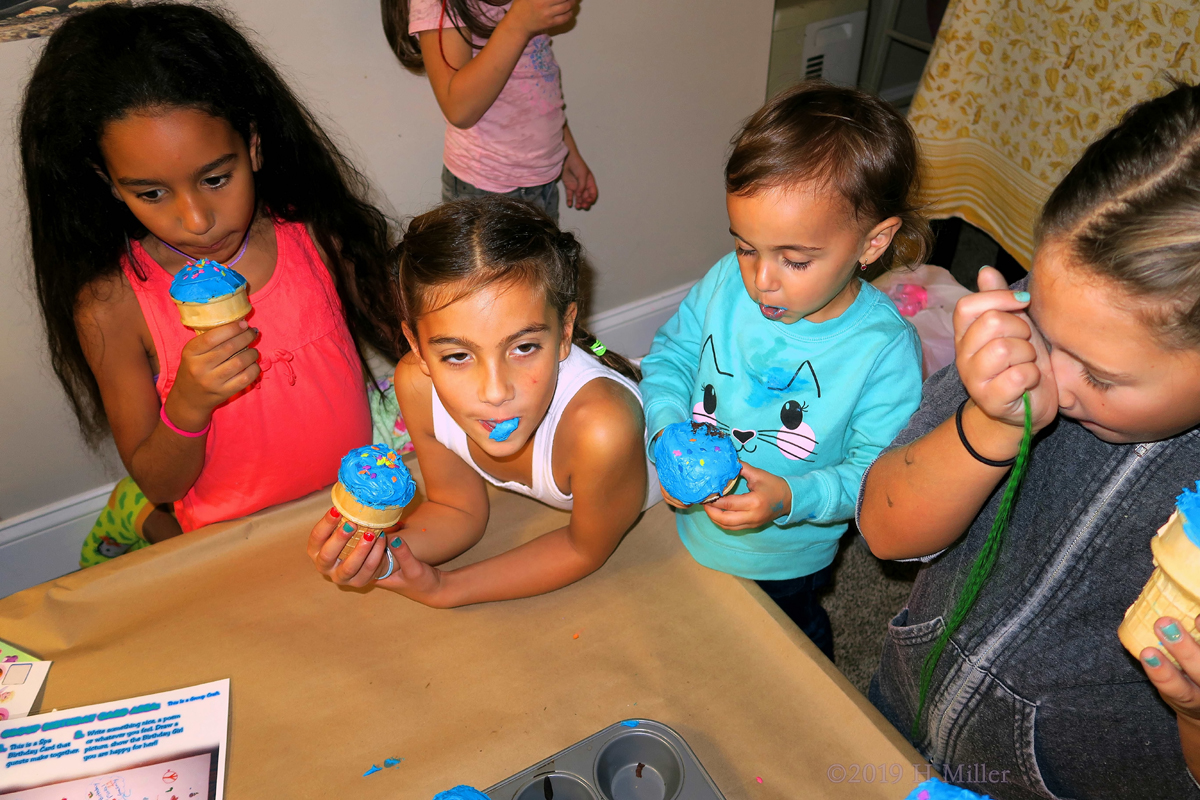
377,477
505,429
933,789
205,280
1188,504
461,793
694,460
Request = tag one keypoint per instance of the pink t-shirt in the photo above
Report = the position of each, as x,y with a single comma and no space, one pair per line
285,436
518,142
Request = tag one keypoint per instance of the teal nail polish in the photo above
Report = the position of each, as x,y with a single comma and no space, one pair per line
1172,632
985,266
1021,297
1153,661
397,542
347,527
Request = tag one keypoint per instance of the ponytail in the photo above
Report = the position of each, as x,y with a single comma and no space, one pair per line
407,48
612,360
461,15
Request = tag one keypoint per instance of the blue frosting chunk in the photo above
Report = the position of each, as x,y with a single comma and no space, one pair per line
376,477
933,789
205,280
461,793
1188,504
694,460
505,429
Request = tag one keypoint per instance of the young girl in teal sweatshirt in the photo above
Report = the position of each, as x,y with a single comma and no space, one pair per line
785,347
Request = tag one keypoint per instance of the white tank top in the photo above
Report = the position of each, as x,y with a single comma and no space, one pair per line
578,369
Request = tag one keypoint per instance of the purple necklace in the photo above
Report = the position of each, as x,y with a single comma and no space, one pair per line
241,251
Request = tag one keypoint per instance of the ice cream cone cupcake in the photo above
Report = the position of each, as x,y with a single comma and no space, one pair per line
372,490
210,295
696,463
1174,588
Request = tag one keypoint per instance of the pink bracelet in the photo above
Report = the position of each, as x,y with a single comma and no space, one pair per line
162,414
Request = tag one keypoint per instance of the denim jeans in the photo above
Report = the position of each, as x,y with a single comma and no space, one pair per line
544,197
797,597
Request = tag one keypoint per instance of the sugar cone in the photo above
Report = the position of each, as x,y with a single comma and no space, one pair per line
202,317
1172,591
365,517
671,501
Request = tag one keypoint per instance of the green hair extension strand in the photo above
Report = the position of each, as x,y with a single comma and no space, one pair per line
981,570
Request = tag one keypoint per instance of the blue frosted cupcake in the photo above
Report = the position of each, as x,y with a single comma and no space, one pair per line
696,463
372,490
209,295
461,793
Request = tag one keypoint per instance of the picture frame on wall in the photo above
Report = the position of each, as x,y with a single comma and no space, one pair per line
29,19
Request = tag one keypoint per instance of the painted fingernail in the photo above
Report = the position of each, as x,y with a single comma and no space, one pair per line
347,527
1172,632
397,542
1021,297
333,512
985,266
368,537
1153,661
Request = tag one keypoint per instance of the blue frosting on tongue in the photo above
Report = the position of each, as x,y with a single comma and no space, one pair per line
694,460
205,280
461,793
505,429
1188,504
376,477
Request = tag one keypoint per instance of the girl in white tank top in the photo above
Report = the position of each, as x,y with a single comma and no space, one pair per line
497,389
577,370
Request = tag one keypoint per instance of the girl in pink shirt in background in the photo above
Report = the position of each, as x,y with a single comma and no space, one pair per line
498,85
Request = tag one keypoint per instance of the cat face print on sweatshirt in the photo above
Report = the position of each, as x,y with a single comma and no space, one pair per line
767,410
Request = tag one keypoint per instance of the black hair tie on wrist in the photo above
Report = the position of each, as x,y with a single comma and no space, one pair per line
962,437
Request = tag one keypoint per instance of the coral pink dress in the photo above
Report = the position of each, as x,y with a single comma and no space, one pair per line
284,436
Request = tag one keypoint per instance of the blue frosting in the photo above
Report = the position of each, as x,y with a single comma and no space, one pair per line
933,789
461,793
376,477
205,280
694,460
1188,504
505,429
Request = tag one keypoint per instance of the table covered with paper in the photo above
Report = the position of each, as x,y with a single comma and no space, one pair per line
326,683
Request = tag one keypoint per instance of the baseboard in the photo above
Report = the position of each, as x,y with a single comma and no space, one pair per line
44,543
630,328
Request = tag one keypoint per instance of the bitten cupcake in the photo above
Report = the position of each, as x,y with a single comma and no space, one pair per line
210,295
372,490
696,463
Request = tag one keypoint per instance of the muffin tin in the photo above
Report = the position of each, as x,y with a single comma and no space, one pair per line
633,760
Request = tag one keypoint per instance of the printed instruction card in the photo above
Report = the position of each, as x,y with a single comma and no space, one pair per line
167,746
21,679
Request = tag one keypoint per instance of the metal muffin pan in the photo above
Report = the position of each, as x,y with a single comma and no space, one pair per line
646,761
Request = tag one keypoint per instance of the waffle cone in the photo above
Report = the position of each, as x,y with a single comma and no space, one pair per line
1172,591
202,317
671,501
365,517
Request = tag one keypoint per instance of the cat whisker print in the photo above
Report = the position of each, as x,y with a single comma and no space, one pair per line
794,445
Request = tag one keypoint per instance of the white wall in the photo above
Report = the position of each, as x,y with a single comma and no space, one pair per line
654,91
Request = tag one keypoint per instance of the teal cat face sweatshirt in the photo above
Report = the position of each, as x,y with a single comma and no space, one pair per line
813,403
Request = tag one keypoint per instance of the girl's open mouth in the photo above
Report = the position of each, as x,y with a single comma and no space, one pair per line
771,312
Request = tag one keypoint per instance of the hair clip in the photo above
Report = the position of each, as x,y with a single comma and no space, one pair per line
598,348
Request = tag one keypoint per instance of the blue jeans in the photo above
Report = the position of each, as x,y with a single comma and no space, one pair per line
544,197
797,597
